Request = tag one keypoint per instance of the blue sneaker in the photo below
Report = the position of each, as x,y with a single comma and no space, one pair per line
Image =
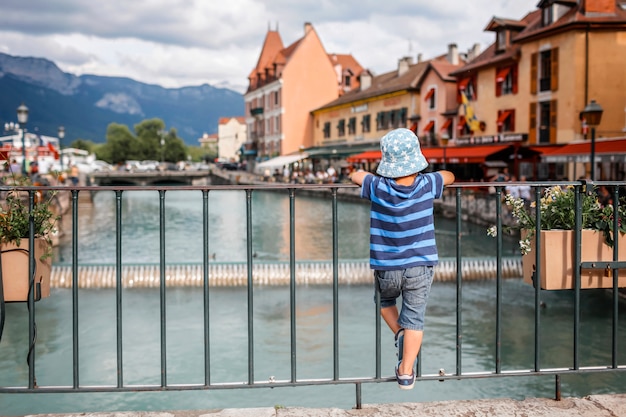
405,381
399,342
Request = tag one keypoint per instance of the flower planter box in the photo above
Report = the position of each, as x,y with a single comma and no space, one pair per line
557,260
15,261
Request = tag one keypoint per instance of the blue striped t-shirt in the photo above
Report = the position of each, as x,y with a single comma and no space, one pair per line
402,229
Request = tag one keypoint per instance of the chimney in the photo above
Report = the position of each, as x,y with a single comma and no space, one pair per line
474,52
598,6
419,58
365,80
307,27
403,64
453,54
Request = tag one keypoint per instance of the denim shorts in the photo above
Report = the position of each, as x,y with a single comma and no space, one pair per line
414,286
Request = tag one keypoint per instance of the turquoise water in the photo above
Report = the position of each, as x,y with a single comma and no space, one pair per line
314,354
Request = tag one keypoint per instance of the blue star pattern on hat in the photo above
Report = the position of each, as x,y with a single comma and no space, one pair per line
401,154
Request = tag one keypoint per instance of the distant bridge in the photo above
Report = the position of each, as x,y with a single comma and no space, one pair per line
149,178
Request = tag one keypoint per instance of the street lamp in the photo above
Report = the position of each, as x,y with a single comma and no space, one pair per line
444,143
61,136
593,114
22,118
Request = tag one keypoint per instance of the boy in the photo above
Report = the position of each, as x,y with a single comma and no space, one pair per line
402,239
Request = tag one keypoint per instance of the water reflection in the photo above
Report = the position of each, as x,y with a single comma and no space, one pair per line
228,233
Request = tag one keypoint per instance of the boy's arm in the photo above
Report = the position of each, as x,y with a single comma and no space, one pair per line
357,176
448,177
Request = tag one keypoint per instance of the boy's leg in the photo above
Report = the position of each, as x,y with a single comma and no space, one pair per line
390,315
412,345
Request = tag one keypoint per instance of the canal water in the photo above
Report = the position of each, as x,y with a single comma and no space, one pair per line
272,358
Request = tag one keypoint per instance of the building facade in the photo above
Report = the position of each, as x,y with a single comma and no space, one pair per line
231,136
530,86
286,84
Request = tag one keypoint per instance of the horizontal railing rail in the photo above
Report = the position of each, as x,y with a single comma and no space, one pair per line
459,201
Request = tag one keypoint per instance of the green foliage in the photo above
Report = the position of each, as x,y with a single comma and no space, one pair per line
83,144
15,215
199,154
123,145
557,207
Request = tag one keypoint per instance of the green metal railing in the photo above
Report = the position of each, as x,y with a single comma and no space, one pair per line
334,192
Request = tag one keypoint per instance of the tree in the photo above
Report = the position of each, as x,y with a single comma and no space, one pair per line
121,145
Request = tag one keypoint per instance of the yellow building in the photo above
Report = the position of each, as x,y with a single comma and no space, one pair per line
531,85
418,96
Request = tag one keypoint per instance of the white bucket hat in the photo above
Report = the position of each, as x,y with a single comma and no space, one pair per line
401,154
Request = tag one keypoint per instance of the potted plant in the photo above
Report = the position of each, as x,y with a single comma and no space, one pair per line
14,239
557,237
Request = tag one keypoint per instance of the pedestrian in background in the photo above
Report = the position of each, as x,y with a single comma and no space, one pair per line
403,250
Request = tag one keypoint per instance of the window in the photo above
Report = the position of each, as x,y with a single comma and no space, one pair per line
501,38
467,86
547,15
430,98
506,80
352,126
542,122
277,124
506,121
347,81
341,128
326,130
544,71
276,97
365,123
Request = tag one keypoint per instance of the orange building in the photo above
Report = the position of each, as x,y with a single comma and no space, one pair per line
530,86
286,84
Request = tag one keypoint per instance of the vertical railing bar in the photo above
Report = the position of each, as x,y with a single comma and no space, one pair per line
118,286
75,333
162,277
335,226
616,207
498,353
250,287
576,268
459,284
32,331
292,280
205,288
537,276
377,340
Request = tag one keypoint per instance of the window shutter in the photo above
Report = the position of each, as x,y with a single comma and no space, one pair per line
498,125
532,124
553,121
512,120
514,77
554,71
475,85
533,73
498,86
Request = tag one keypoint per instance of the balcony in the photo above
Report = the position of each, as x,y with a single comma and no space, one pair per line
256,111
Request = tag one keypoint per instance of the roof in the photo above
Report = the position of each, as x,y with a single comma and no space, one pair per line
224,120
389,82
490,57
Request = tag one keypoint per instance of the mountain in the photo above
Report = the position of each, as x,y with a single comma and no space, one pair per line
86,104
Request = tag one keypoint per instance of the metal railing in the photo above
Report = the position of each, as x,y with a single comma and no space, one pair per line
455,202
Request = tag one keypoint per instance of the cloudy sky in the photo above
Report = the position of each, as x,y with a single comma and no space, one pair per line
177,43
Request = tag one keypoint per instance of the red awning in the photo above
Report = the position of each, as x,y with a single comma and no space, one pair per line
368,156
454,154
501,75
607,150
463,83
429,94
503,116
428,126
446,124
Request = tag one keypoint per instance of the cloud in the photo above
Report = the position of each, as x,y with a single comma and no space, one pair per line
190,42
